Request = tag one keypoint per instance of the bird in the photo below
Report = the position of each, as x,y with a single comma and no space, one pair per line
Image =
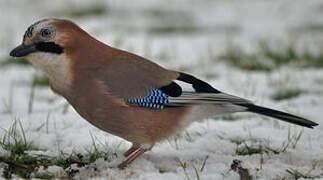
125,94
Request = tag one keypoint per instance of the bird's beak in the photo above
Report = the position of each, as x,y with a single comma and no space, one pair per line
23,50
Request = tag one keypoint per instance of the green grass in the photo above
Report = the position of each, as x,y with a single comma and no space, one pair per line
256,146
8,101
40,80
240,59
26,166
175,140
313,27
173,29
192,167
20,163
228,117
284,94
252,149
296,174
9,61
14,140
287,54
15,143
269,56
83,12
37,81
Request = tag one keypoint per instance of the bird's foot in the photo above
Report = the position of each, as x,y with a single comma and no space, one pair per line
130,151
134,155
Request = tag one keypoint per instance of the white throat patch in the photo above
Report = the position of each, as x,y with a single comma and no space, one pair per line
56,67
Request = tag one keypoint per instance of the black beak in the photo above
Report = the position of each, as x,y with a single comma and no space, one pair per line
23,50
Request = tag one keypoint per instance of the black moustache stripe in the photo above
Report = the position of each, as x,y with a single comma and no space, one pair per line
50,47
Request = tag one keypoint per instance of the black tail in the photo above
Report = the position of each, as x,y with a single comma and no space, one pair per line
280,115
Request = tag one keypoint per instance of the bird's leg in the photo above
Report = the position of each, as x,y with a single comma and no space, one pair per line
136,154
133,148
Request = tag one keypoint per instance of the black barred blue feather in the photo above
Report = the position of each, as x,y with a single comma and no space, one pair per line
157,99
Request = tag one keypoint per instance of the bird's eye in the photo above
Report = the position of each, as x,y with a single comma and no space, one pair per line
46,33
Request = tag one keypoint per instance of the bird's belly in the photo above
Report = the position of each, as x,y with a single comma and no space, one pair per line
135,124
150,126
138,124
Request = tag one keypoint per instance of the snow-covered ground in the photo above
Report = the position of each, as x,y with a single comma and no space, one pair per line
178,35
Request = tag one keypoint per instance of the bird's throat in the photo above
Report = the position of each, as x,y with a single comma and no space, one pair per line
55,67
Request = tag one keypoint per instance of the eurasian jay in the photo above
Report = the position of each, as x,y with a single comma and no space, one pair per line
122,93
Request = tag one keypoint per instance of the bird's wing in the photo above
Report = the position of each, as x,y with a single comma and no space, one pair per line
143,83
128,76
148,85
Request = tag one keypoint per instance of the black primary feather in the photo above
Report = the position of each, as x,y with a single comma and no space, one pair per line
279,115
173,89
199,85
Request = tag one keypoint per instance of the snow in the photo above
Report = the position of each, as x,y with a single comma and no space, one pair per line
127,25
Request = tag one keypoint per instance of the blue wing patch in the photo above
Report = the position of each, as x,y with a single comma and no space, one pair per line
156,100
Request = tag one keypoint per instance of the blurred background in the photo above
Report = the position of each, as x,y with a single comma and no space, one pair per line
262,34
267,51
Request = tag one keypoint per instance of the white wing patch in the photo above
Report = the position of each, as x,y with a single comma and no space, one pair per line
206,98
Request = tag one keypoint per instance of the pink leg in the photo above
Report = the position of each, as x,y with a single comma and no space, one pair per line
130,151
136,154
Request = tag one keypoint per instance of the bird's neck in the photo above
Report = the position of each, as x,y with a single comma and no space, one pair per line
55,67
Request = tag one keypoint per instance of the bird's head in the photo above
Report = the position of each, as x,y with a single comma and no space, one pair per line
40,37
48,36
46,43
